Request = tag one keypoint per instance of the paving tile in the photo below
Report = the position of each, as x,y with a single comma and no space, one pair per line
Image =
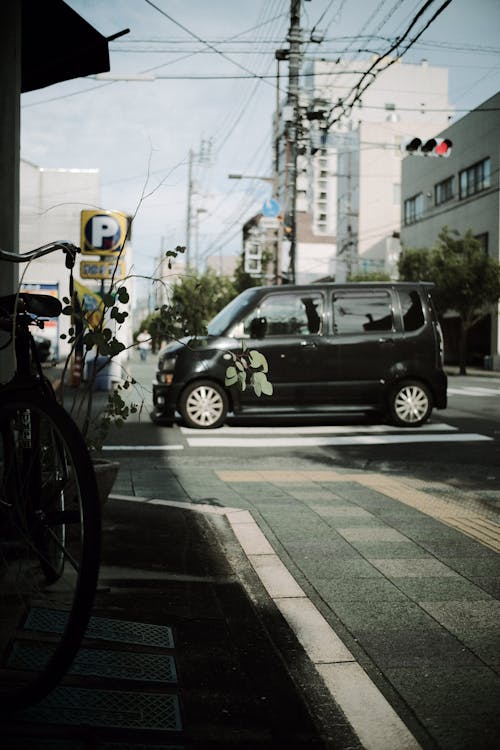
390,550
474,567
448,690
371,534
440,589
382,615
490,585
343,569
343,511
460,733
415,647
415,567
425,528
485,644
464,547
366,589
465,615
322,549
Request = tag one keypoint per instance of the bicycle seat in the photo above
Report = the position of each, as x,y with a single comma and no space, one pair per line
40,305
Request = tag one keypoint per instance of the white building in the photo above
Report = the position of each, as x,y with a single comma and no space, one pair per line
354,178
51,201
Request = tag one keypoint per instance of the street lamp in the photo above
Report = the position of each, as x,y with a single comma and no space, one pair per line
250,177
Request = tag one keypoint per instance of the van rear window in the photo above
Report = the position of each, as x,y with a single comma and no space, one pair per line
411,307
362,312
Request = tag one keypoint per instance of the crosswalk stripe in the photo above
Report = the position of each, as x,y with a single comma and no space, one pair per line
291,442
318,430
471,390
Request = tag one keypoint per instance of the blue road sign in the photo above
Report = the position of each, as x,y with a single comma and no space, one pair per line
271,208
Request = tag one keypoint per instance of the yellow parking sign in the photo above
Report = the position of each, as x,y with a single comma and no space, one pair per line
103,232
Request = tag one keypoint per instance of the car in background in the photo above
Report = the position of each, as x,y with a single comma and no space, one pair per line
331,348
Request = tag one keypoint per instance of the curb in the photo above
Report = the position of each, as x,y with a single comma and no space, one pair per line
370,715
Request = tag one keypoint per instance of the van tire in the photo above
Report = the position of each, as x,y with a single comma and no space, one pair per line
410,403
203,405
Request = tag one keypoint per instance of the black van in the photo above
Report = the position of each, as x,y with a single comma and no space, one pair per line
330,348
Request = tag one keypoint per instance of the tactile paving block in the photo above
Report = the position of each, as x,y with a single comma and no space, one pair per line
105,628
124,665
107,708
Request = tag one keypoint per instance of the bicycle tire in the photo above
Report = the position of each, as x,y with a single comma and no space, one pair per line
48,494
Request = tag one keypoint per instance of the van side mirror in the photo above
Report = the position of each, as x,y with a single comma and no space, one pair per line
258,328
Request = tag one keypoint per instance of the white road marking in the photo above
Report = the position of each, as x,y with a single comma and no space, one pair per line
132,448
307,442
472,390
315,430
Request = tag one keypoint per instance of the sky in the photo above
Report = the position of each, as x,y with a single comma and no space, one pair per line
205,83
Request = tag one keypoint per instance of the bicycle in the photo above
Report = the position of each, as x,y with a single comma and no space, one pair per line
50,515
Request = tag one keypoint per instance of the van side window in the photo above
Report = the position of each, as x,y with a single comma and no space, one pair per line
362,312
289,314
411,307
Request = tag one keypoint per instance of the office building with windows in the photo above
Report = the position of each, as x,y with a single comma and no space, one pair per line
460,192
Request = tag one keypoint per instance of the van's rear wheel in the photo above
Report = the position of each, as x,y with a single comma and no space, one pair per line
410,404
203,405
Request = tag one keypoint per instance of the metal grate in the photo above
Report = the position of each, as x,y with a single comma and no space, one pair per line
117,664
34,743
123,631
107,708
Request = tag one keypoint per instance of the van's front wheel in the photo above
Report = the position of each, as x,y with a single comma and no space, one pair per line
410,404
203,405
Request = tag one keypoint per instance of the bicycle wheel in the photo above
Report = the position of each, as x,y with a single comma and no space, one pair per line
49,545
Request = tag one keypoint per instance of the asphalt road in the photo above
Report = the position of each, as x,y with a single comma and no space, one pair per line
460,444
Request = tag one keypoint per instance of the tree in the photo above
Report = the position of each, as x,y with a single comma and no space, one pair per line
415,265
195,299
370,276
467,279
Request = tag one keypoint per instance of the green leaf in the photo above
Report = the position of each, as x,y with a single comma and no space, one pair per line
231,376
257,359
267,388
242,381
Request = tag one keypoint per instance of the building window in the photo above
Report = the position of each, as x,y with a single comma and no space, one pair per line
444,190
475,178
483,240
414,209
322,196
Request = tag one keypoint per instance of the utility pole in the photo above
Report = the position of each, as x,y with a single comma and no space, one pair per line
202,157
292,133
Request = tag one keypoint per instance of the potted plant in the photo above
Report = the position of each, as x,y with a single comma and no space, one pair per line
94,339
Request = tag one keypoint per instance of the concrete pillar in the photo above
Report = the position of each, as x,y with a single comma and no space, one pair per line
10,94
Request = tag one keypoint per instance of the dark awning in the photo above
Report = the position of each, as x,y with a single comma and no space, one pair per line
58,44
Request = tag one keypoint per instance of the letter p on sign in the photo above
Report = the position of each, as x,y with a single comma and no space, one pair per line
103,232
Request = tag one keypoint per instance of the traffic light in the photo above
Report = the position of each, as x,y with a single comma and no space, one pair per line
433,147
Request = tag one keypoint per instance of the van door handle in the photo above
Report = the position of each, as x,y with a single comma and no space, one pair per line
384,340
308,344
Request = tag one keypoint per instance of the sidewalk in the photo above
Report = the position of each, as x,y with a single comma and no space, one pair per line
369,618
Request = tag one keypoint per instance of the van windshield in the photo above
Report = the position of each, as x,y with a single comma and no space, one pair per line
230,313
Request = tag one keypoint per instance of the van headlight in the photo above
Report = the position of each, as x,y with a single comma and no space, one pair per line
166,367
